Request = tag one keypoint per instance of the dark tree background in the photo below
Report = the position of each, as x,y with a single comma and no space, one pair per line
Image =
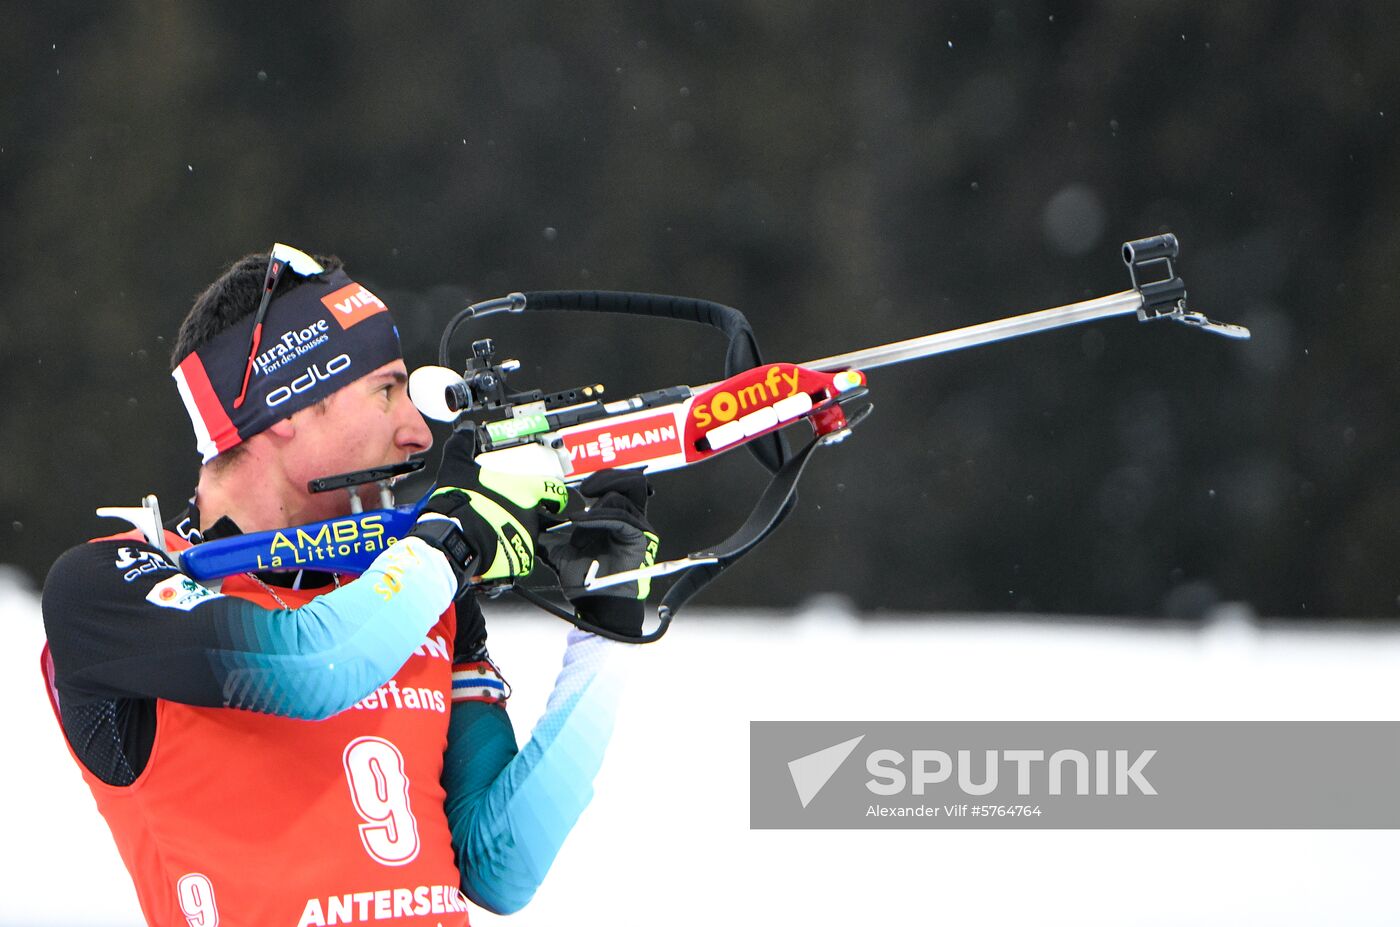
846,174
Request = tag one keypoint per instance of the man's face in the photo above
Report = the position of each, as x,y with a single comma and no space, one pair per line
369,423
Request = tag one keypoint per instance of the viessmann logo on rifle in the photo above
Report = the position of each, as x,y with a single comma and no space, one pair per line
623,443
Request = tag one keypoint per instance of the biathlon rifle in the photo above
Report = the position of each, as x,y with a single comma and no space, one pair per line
574,433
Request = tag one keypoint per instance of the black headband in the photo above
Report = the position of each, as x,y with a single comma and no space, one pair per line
318,337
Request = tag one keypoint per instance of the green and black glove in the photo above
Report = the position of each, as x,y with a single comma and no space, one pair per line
614,532
484,520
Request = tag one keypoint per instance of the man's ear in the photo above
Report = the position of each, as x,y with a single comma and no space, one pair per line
282,429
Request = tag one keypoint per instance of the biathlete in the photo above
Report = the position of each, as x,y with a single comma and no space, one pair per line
301,748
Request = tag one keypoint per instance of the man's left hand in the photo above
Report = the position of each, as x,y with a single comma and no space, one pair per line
613,531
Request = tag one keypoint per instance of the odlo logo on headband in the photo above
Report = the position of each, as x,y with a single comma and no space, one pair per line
314,374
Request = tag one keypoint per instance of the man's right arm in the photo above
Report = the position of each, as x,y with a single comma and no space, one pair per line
120,633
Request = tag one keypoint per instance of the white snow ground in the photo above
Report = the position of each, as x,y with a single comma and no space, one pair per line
667,841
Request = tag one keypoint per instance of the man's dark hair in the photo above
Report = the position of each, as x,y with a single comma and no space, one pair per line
233,296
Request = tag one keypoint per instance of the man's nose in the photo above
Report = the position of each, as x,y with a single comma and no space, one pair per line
413,434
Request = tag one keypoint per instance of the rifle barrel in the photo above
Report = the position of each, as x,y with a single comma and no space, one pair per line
1129,301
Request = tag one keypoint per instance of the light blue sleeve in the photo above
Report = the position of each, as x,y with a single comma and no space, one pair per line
508,832
317,660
